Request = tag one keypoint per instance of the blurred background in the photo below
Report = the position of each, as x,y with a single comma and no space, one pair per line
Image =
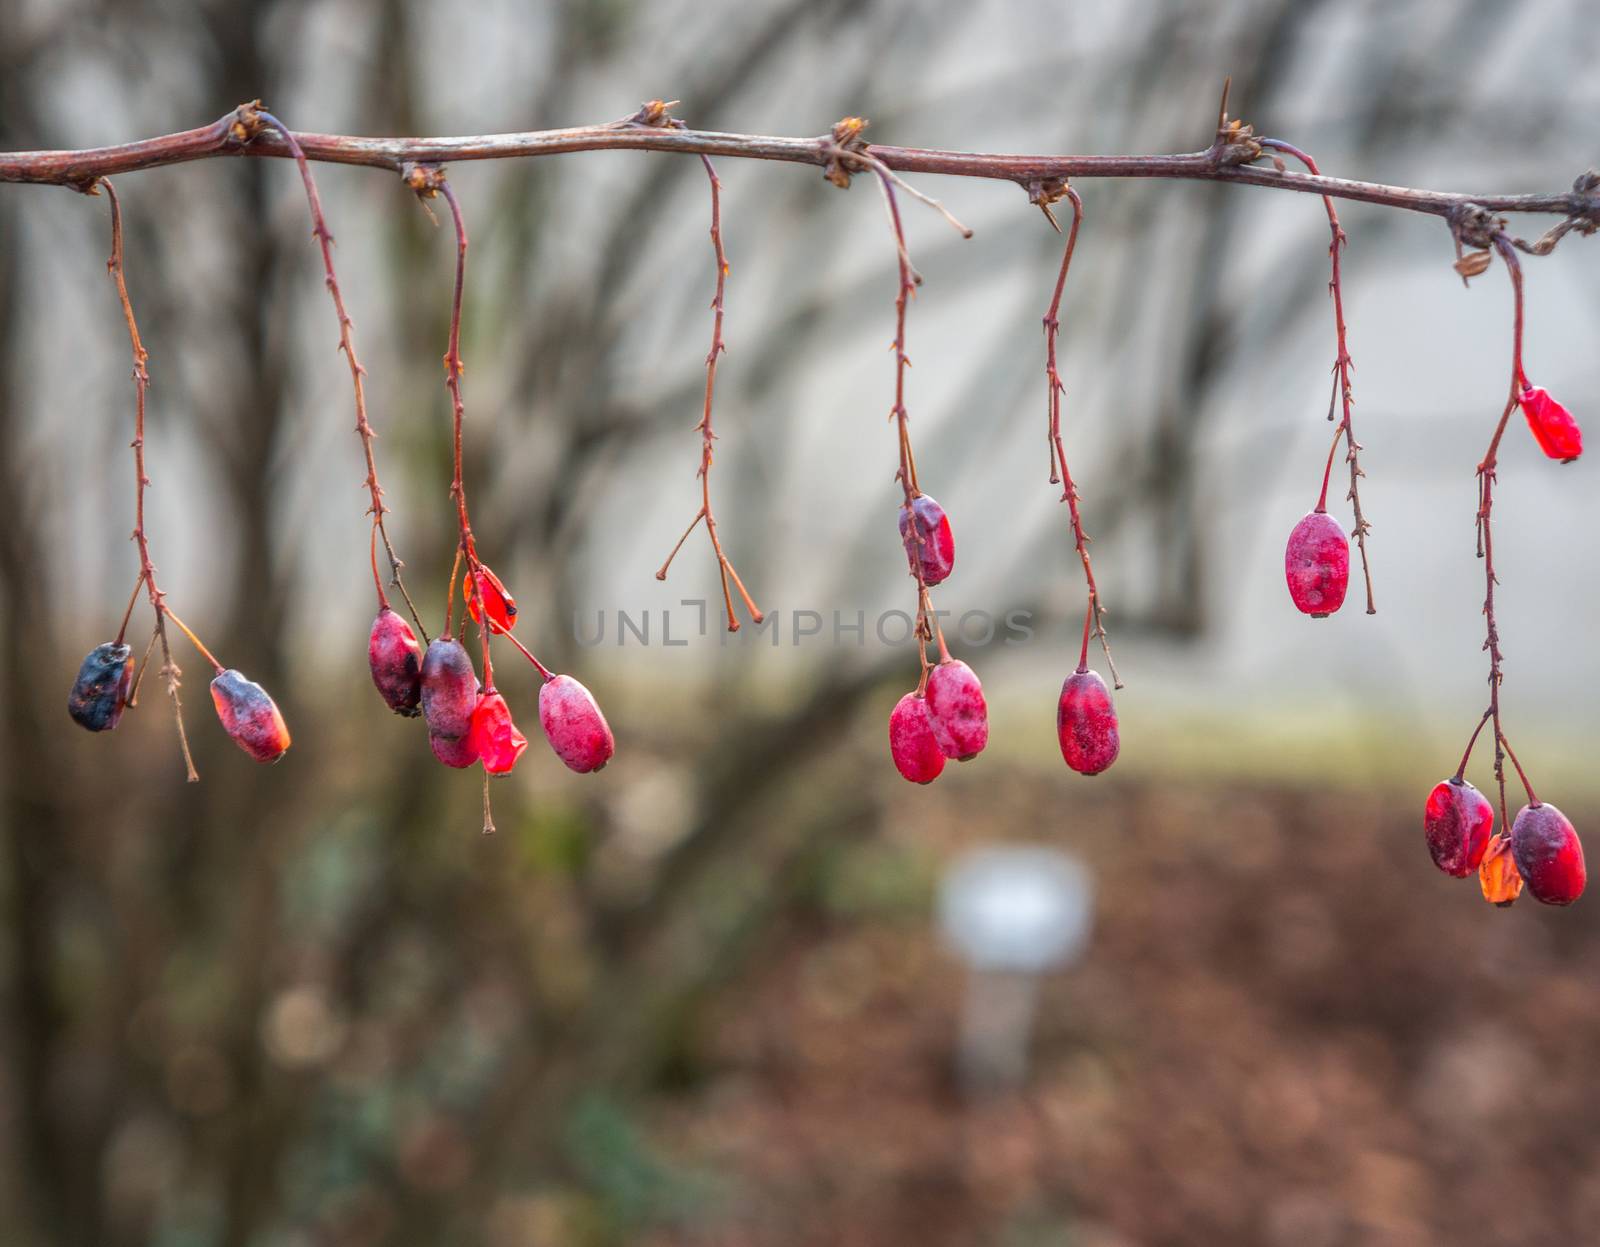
704,997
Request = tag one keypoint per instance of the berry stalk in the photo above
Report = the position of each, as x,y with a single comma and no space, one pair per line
1342,365
1486,483
170,671
319,229
928,628
1059,472
724,565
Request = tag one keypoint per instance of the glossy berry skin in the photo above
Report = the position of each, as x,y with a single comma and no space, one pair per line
493,737
936,549
574,726
916,753
1457,821
249,716
1553,427
956,710
1316,564
449,688
1549,854
101,689
1086,723
396,662
502,607
454,751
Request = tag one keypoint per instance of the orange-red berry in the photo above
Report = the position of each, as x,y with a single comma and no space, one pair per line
249,716
1552,424
497,600
493,737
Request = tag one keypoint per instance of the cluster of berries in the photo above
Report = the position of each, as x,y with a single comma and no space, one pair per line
469,721
1542,850
946,715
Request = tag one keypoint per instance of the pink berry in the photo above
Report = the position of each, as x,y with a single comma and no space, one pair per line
456,751
956,710
1553,427
249,716
933,545
449,688
396,662
573,724
493,737
1317,565
1458,822
1549,854
916,753
1086,723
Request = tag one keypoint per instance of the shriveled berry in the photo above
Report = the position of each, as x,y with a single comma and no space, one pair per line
1549,854
249,716
1457,821
493,737
449,688
101,689
396,662
573,724
1497,873
1317,565
1553,427
1086,723
456,751
502,607
932,544
916,753
956,710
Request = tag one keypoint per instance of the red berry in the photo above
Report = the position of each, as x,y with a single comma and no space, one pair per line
573,724
956,710
454,751
101,689
449,688
502,607
933,545
1458,822
1086,723
1553,427
396,662
916,753
493,737
249,716
1317,565
1549,854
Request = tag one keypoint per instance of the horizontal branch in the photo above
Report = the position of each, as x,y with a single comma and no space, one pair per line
239,133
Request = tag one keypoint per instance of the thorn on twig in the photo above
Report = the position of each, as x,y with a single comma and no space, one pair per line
1044,192
1235,142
